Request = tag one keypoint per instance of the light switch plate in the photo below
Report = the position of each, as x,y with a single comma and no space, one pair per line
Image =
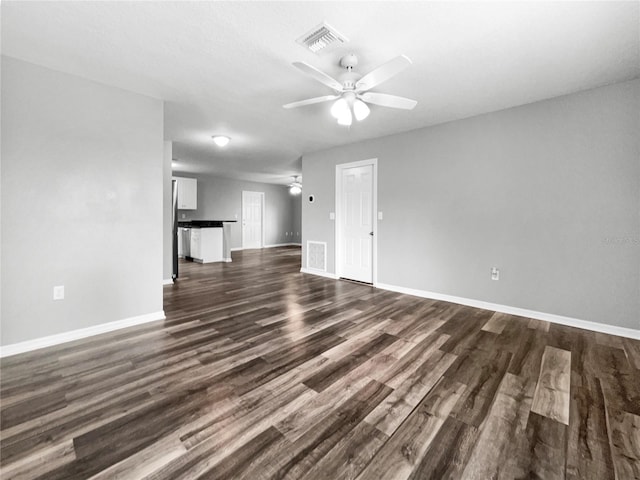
332,216
58,292
379,215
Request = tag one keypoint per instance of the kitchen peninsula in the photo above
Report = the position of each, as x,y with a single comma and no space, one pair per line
205,241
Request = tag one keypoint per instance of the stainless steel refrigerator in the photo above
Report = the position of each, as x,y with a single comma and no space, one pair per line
174,226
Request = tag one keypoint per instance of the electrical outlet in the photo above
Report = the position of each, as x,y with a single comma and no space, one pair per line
380,216
495,273
184,215
58,292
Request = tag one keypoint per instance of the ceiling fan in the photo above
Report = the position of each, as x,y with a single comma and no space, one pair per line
352,91
295,188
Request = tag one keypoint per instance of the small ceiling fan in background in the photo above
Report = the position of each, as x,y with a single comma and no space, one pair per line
295,188
352,91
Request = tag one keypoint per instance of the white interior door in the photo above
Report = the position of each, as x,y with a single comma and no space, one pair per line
252,219
356,214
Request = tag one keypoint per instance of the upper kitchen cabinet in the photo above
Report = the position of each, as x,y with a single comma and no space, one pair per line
187,193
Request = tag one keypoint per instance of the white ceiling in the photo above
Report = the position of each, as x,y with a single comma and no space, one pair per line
225,67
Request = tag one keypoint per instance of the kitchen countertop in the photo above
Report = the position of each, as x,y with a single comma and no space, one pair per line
203,223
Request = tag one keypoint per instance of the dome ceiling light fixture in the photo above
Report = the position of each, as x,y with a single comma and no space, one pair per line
221,140
352,93
295,188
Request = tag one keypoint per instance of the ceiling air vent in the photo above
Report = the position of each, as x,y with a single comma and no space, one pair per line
321,37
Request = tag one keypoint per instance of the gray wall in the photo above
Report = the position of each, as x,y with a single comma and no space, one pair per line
81,202
221,199
547,192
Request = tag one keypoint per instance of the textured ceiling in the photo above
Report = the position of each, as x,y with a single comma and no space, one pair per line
225,67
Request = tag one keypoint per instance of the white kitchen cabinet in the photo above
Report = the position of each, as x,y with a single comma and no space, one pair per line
206,245
187,193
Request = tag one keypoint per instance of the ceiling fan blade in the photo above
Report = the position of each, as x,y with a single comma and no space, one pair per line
319,75
311,101
382,73
385,100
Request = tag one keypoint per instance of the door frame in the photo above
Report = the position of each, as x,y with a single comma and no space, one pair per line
339,214
262,214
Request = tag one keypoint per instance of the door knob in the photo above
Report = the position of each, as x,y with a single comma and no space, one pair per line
371,233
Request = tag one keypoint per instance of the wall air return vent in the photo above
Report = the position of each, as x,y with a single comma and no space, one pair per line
321,37
317,256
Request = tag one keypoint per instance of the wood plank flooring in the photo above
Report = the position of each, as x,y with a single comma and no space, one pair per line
261,372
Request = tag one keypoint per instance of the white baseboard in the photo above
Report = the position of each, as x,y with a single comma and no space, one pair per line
319,273
521,312
167,281
269,246
42,342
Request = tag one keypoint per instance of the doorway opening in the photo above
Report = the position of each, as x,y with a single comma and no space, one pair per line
252,219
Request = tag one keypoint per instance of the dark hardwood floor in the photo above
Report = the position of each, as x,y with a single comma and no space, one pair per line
260,371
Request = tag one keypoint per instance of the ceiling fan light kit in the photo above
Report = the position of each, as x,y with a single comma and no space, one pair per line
295,188
346,119
352,92
221,140
339,108
360,110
